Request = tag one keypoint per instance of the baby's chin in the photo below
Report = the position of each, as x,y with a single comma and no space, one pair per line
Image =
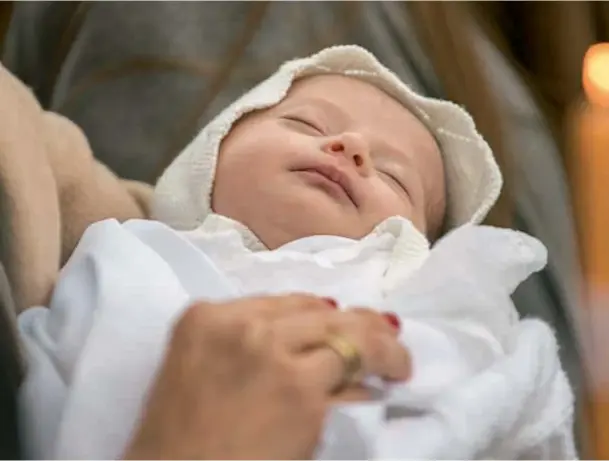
290,232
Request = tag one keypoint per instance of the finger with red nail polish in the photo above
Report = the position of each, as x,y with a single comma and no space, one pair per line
331,302
393,320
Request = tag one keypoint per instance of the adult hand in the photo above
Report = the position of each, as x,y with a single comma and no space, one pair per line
253,378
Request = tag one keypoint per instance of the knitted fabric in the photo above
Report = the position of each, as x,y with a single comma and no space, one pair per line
183,193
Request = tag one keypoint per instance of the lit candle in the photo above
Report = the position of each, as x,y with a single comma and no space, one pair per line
590,185
591,165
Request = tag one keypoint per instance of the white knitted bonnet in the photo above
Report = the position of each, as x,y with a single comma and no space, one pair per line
182,196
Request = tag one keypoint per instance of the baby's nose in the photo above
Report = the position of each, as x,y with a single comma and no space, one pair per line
352,146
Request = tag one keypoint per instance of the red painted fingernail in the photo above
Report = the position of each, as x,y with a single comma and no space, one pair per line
393,319
332,302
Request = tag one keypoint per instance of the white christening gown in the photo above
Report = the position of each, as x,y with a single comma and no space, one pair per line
485,384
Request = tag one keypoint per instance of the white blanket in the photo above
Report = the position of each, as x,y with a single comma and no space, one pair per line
485,384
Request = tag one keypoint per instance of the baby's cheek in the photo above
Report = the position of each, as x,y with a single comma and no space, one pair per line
387,202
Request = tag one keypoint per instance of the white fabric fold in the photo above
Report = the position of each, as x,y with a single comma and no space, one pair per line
485,384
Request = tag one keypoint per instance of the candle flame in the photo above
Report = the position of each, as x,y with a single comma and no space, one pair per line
596,74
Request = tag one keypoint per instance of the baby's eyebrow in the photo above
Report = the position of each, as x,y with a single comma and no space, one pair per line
393,151
328,106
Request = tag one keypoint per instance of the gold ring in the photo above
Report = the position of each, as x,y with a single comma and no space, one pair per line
352,360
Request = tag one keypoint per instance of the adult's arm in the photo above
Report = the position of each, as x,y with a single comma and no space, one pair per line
51,189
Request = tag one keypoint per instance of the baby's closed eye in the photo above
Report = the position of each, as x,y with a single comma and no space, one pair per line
301,123
394,181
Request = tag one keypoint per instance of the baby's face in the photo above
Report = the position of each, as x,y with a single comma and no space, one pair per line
336,157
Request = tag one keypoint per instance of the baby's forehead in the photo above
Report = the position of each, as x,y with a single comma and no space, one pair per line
347,91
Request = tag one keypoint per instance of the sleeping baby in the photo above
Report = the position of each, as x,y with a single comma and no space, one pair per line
331,177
